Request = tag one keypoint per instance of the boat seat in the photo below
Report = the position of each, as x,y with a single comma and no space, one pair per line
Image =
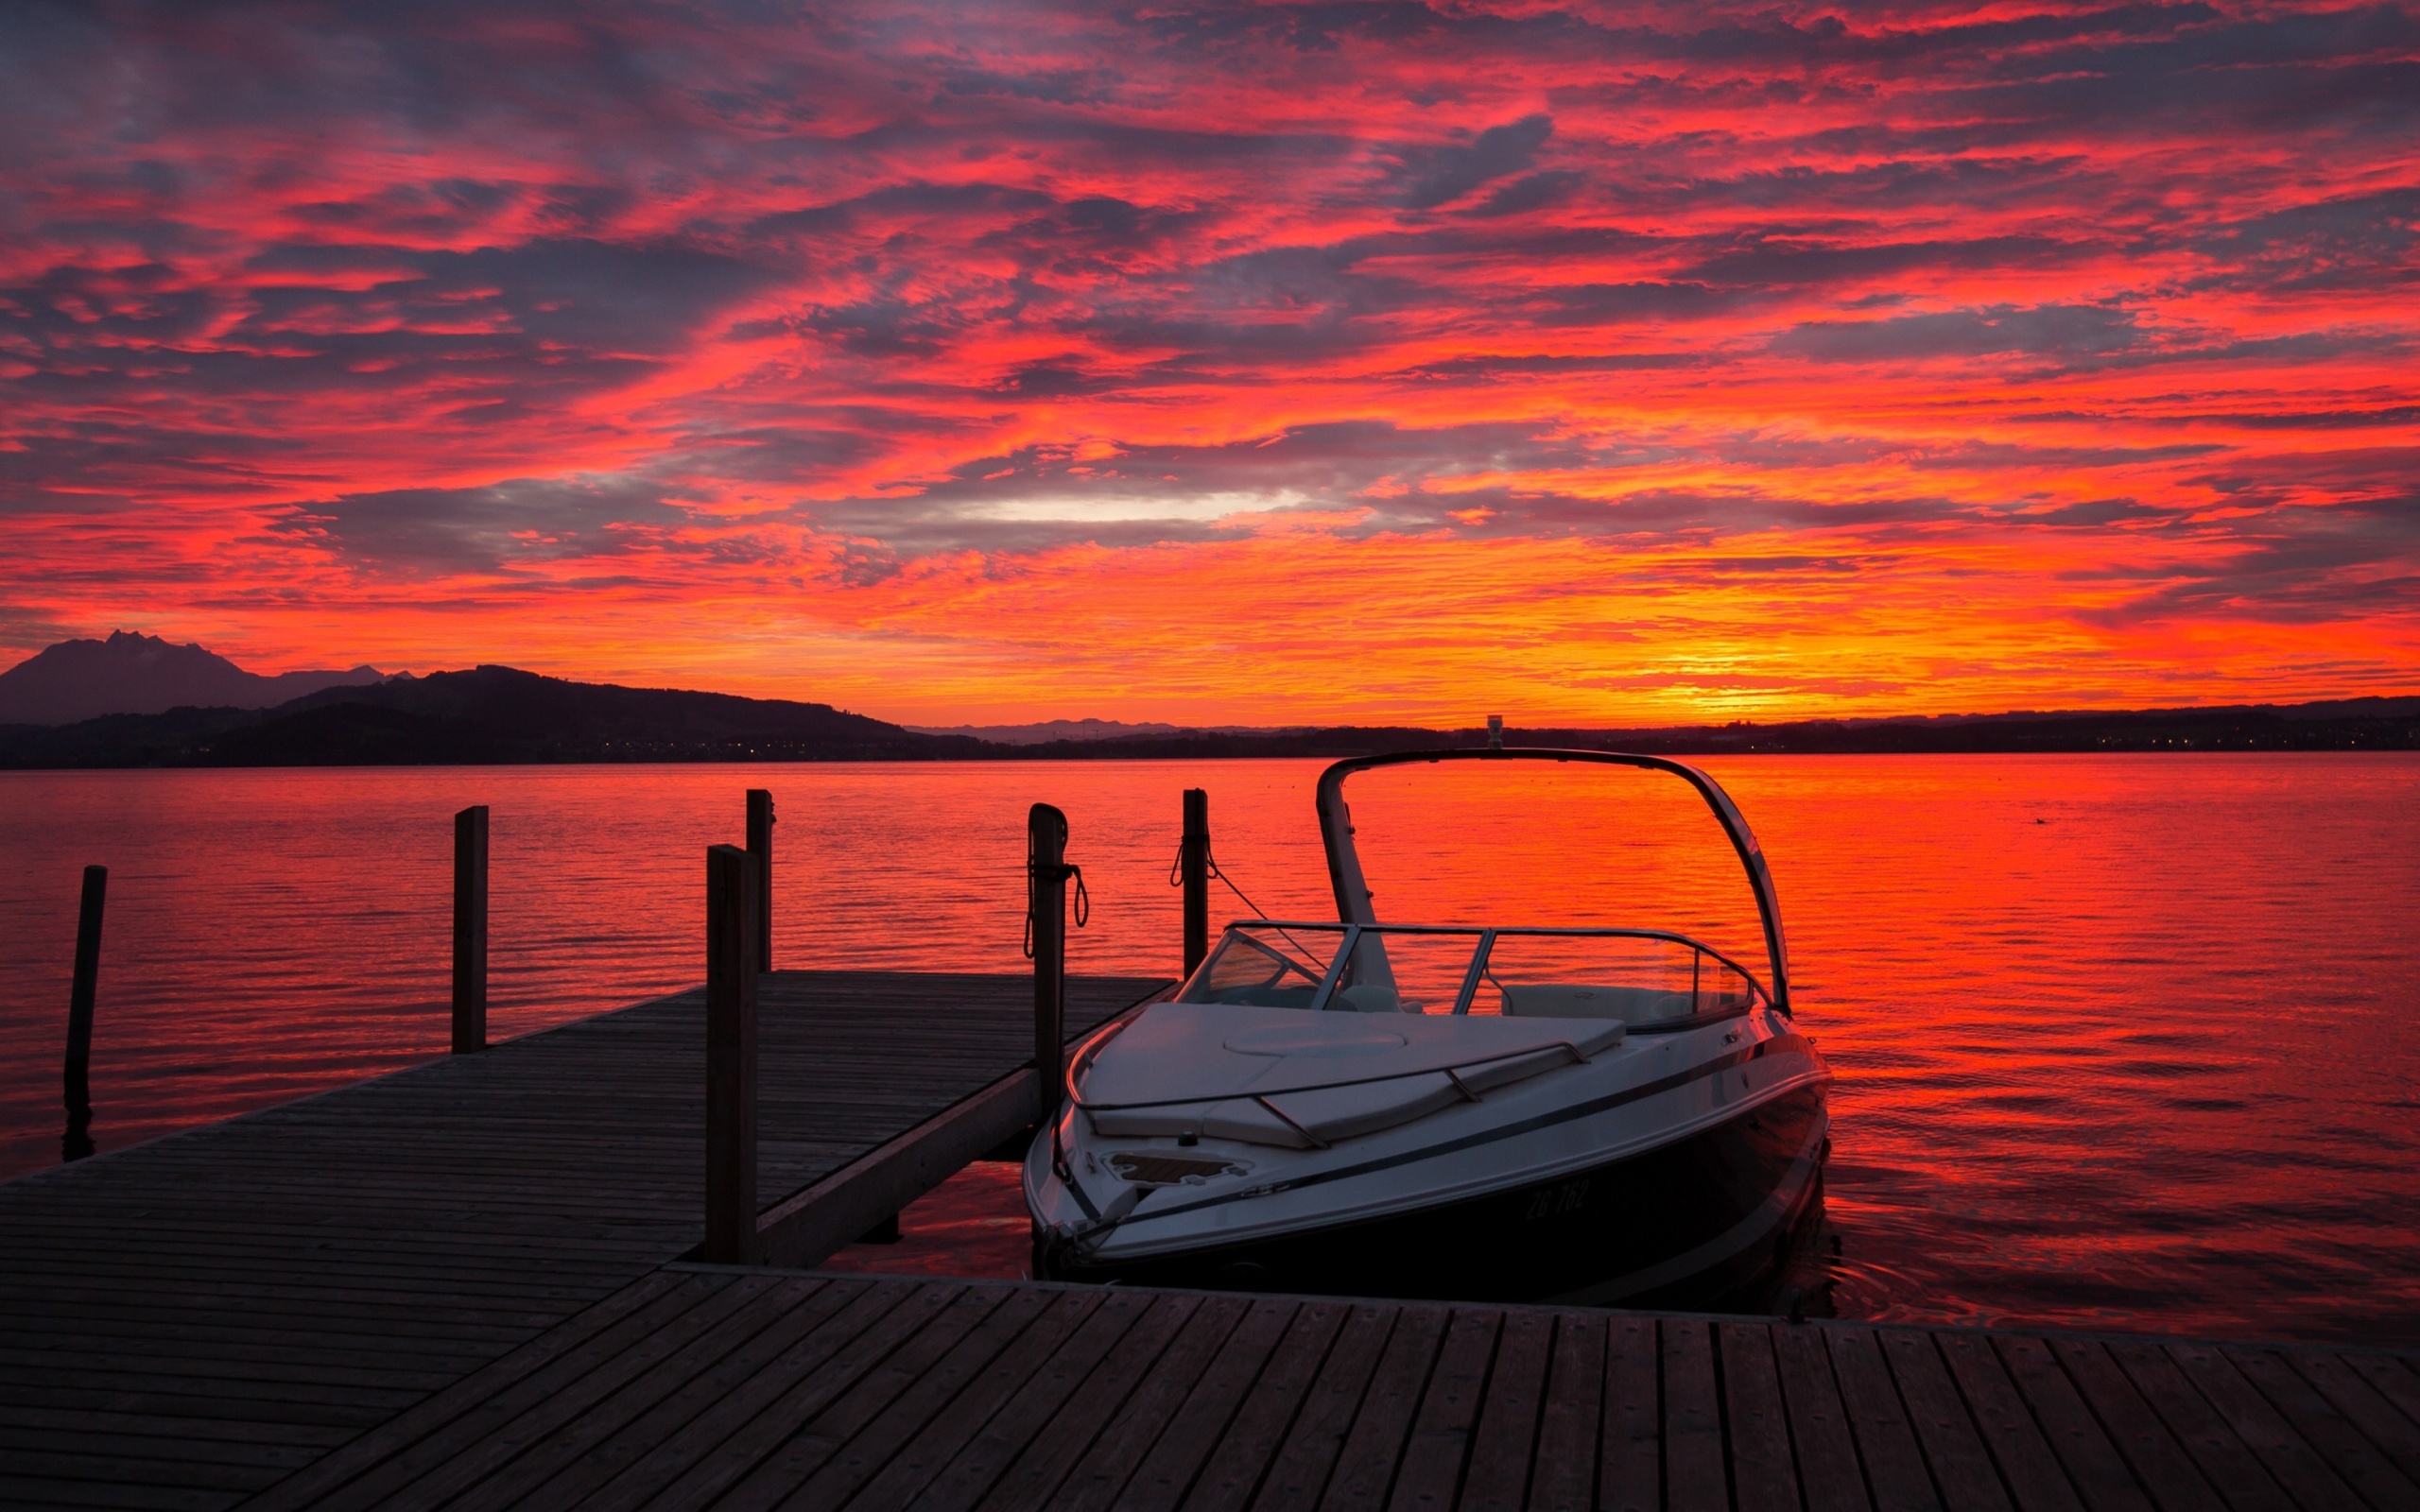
1370,997
1570,1000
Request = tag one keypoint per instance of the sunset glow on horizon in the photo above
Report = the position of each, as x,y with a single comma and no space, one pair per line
1255,364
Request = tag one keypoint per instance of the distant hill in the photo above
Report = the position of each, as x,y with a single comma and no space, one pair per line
487,715
131,674
501,714
1064,729
2343,724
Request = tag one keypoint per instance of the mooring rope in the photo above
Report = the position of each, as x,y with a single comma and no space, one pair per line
1035,878
1176,877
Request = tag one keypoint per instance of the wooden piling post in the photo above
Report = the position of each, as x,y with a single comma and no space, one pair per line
1047,903
471,930
1194,860
760,845
78,1142
730,1055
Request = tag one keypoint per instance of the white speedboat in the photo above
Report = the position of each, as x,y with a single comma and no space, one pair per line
1592,1115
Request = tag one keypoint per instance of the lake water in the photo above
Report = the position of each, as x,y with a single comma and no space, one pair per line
2122,1041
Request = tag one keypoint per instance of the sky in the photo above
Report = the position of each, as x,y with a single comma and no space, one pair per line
1264,363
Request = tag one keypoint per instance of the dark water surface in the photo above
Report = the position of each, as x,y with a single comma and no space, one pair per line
2122,1041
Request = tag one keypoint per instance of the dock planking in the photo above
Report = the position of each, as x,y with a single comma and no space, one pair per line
831,1392
191,1321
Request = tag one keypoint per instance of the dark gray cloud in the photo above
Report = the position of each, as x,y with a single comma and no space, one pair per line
2053,332
485,530
2298,565
1538,191
589,295
2354,242
1423,178
1595,304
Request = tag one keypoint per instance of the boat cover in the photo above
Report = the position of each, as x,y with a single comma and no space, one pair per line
1268,1069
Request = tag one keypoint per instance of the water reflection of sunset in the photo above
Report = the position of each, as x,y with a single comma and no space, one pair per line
1261,364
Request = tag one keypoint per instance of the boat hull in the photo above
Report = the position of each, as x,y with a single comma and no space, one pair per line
1700,1222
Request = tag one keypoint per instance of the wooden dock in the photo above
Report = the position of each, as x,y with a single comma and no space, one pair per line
193,1319
461,1286
730,1388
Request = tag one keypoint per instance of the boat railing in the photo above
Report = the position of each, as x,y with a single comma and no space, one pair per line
1482,964
1090,1050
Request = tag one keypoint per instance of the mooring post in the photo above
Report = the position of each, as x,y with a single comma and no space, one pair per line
730,1055
1195,860
760,846
1046,906
471,930
78,1142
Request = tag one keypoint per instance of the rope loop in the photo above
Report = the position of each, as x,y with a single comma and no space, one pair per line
1209,861
1035,875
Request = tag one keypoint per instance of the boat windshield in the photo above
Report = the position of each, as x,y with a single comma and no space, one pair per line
1642,977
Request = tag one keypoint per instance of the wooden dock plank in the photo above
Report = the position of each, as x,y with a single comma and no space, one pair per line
1316,1442
1505,1443
2160,1462
799,1313
1886,1438
2230,1467
2031,1471
1044,1459
814,1443
1251,1445
639,1414
37,1491
2305,1477
1167,1473
2394,1380
1570,1418
922,1459
1953,1451
1763,1476
2093,1463
2334,1440
972,1472
936,1388
1365,1467
587,1337
1630,1475
1819,1424
1695,1478
2349,1392
1116,1452
1429,1475
138,1425
856,1307
458,1461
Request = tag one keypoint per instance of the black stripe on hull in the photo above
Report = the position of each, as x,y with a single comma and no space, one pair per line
1717,1204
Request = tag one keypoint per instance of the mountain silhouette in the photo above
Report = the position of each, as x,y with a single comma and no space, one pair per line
502,714
131,674
486,714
